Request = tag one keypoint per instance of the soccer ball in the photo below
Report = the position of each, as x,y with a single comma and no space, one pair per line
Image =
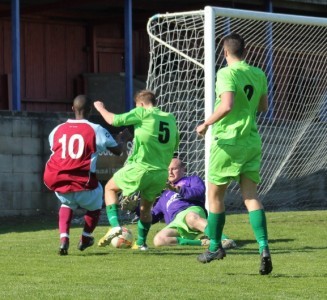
124,240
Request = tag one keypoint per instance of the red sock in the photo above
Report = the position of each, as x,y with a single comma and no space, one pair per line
65,217
91,219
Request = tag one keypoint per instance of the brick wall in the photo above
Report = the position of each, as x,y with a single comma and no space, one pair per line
24,150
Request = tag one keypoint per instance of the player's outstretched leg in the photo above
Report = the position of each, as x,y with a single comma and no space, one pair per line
85,242
112,232
91,219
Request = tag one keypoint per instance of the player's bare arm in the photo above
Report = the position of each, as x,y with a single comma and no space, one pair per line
107,115
263,104
226,105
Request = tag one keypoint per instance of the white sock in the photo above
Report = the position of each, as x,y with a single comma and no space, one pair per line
87,234
63,235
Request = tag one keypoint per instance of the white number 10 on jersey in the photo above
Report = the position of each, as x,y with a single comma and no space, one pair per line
70,147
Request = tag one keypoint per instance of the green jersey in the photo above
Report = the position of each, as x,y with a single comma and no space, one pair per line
156,136
248,84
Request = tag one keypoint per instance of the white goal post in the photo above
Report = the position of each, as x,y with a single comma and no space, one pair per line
185,55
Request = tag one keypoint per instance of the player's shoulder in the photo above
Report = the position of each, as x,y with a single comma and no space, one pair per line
196,178
224,71
97,128
89,123
92,124
164,113
138,111
257,71
192,178
252,68
157,111
61,126
141,113
170,115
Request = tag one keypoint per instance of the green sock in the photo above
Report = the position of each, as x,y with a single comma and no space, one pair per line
112,214
184,242
142,230
214,229
223,236
259,227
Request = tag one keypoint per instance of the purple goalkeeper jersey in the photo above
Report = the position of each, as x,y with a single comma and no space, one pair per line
191,193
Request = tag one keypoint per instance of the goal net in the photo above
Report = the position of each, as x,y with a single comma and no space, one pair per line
185,55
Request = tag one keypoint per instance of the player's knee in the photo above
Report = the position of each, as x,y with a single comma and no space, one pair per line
191,219
158,241
108,188
253,204
111,186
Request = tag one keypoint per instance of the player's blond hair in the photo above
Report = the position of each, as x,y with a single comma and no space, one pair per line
145,96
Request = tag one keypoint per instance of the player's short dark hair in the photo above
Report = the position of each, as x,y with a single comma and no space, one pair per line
234,43
82,102
145,95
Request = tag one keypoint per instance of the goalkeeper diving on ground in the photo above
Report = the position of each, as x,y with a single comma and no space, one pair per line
182,207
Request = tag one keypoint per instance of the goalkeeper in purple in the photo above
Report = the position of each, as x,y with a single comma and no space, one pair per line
235,151
182,206
156,138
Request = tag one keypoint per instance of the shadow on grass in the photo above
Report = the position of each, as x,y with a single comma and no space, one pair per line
242,243
149,252
279,275
191,251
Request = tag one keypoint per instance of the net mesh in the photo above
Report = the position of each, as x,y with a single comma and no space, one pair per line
294,130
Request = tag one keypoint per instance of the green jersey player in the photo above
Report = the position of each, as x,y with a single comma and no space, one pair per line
156,139
235,152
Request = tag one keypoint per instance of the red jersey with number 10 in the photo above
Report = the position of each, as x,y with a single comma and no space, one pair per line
72,164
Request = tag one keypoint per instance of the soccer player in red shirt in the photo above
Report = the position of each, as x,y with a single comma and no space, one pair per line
71,170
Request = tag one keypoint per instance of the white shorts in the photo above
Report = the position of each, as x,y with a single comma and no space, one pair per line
90,200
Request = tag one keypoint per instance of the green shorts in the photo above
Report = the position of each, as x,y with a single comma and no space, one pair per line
135,178
228,162
179,222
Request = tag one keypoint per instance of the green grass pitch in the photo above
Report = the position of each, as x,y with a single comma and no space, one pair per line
31,268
